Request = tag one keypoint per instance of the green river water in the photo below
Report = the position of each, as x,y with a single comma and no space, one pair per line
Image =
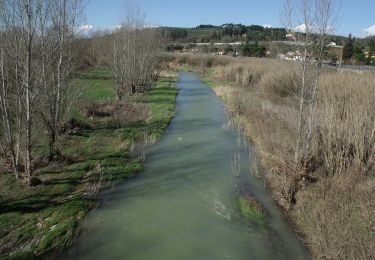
184,205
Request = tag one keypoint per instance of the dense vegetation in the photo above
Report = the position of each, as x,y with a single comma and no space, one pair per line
230,33
226,33
359,51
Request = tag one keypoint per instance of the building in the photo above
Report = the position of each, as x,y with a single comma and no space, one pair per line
368,54
332,44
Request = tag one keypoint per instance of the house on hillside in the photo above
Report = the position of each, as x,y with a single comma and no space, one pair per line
368,54
331,44
291,55
290,35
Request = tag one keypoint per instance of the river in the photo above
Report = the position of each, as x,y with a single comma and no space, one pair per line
184,205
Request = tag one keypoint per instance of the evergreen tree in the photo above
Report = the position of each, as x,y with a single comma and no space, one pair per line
369,60
359,53
372,46
228,50
348,49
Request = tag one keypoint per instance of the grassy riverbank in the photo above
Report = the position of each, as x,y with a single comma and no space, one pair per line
104,145
330,202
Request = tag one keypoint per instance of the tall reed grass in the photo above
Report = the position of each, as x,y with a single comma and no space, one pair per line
330,199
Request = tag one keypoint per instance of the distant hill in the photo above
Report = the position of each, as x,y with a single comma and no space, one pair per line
367,40
225,33
230,32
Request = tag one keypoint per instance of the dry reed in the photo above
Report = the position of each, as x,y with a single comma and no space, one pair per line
331,200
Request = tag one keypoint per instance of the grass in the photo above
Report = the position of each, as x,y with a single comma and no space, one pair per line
42,220
98,85
330,199
250,209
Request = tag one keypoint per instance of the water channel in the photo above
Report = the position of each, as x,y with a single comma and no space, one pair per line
185,203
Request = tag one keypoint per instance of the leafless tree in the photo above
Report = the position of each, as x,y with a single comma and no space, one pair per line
35,63
135,53
19,20
308,22
9,60
101,44
58,26
8,145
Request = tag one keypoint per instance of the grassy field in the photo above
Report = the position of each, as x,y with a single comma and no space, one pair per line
99,150
329,200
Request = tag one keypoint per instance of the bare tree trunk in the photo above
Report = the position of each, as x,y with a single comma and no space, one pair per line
5,116
28,169
61,15
317,17
19,108
325,20
19,129
301,121
57,98
135,54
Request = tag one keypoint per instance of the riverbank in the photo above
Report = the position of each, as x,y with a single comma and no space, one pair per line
104,146
330,202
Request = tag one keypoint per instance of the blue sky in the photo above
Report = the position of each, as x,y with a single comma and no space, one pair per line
355,16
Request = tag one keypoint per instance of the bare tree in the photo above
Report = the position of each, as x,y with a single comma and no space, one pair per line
118,66
57,30
308,22
135,54
19,20
9,61
36,57
5,113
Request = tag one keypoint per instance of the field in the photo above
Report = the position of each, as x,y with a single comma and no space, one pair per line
105,145
330,198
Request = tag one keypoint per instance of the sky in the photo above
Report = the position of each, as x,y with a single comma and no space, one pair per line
354,16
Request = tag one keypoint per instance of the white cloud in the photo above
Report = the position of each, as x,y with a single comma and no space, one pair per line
85,29
370,31
88,30
302,28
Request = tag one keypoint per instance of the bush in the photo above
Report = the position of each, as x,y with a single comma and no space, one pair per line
129,111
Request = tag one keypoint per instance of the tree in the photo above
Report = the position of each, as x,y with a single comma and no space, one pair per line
136,51
57,30
20,19
8,145
369,59
36,57
318,20
216,36
228,49
348,48
176,33
371,45
253,50
359,53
